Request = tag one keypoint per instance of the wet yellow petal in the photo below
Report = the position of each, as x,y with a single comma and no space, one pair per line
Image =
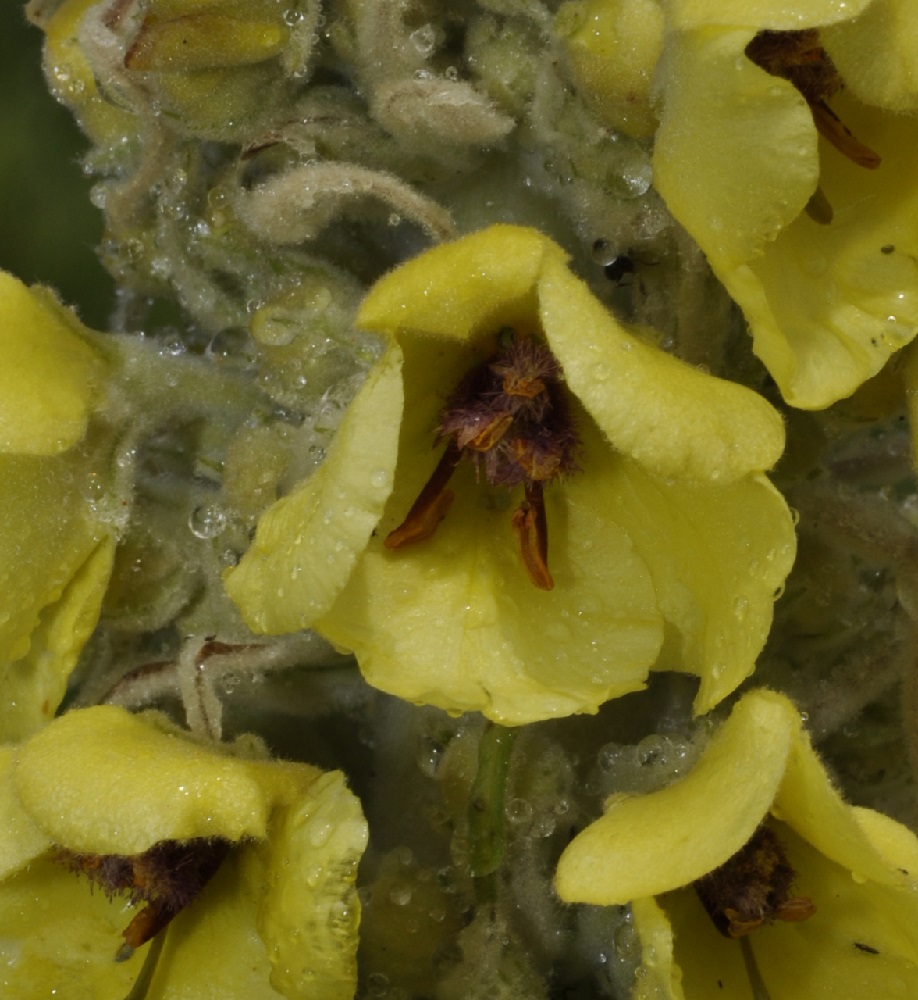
876,54
54,564
862,933
50,375
464,592
828,305
648,844
58,939
465,289
34,685
735,156
310,912
612,47
672,418
659,977
762,13
22,840
102,781
718,556
308,542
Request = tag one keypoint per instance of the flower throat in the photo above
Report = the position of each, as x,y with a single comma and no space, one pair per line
510,416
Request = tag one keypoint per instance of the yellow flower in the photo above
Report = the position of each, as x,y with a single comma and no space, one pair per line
278,918
56,540
854,866
664,550
738,160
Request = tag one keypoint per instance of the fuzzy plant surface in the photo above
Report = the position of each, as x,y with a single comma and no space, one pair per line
478,558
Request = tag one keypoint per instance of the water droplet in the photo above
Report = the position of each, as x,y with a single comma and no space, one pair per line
207,521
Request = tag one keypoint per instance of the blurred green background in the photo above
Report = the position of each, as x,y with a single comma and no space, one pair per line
48,228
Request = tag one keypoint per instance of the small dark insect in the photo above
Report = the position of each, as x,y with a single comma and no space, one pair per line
618,267
509,415
167,877
752,888
866,947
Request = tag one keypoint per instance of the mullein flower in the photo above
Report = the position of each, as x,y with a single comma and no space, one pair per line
245,864
58,527
520,511
754,845
814,238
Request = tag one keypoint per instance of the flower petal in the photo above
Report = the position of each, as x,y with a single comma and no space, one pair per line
735,157
672,418
828,305
717,555
862,933
762,13
50,375
876,54
648,844
55,562
465,593
308,542
310,911
462,290
101,781
22,841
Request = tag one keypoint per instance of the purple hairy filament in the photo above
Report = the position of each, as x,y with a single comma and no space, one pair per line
753,888
510,417
167,877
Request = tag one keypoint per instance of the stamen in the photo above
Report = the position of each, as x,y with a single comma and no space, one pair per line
752,888
834,130
168,877
531,527
798,56
431,505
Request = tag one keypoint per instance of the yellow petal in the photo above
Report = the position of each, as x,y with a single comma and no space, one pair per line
310,912
59,938
34,685
101,781
809,804
648,844
735,157
308,542
828,305
660,978
762,14
612,47
465,289
672,418
465,593
862,933
718,555
875,55
55,560
50,375
22,841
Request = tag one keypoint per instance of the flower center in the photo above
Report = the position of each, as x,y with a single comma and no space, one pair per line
753,888
510,417
798,56
167,877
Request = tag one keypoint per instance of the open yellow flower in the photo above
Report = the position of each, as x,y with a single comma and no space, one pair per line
738,160
857,867
666,547
56,542
277,919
